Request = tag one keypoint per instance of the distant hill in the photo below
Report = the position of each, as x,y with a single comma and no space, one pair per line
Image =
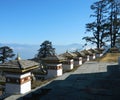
29,51
25,51
63,48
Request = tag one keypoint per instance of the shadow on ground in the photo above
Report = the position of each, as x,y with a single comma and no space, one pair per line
88,86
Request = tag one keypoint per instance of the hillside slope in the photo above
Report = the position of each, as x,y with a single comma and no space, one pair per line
110,57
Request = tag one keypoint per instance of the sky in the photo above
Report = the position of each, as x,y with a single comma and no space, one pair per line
33,21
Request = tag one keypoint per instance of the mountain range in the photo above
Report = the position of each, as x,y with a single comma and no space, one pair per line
29,51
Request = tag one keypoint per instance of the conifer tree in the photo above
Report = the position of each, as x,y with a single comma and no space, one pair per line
45,50
96,28
113,21
6,53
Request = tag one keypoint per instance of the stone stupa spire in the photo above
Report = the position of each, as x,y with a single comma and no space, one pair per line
18,57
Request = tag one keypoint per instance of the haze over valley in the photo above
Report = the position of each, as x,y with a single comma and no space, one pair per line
27,51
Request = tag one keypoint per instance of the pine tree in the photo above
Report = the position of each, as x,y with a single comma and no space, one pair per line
97,26
45,50
106,26
113,20
5,53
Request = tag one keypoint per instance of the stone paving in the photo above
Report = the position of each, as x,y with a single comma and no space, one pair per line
91,81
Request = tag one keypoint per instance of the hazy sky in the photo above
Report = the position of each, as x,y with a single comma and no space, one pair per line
33,21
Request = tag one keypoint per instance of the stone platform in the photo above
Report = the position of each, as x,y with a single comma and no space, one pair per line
91,81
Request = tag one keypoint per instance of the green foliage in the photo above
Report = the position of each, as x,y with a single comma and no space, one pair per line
5,53
106,25
113,20
96,27
45,50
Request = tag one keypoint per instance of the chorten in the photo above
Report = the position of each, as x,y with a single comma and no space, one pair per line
18,75
54,66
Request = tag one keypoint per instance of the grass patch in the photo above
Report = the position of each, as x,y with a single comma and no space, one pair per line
2,83
37,83
109,57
